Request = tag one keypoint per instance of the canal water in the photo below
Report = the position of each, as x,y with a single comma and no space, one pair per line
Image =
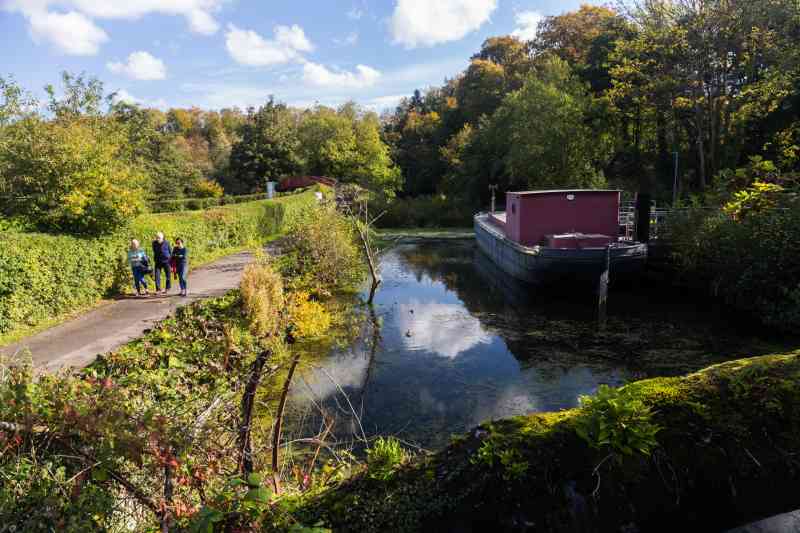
454,342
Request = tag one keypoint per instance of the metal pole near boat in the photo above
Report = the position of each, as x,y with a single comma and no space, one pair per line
602,291
493,188
643,216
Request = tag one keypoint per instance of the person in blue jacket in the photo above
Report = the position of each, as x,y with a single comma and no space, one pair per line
162,254
138,261
180,258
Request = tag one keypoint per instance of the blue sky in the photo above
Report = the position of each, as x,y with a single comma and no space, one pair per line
223,53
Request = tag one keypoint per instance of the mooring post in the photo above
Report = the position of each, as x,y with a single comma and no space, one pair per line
602,291
643,217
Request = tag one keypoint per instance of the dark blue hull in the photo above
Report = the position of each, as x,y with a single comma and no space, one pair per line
537,264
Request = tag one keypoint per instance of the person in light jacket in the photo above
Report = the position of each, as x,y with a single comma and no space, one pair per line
139,263
162,254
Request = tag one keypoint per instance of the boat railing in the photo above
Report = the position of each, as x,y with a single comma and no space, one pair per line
661,218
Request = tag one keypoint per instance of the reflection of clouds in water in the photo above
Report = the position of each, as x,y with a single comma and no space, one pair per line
443,329
428,403
348,369
534,392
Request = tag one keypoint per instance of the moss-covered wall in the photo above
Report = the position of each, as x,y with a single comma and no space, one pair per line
728,452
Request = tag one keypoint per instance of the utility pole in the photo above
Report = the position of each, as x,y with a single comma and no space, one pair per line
675,180
493,188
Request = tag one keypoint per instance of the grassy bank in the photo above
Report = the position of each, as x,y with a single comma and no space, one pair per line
45,279
723,452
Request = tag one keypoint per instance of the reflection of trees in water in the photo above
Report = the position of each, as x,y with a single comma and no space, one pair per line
659,333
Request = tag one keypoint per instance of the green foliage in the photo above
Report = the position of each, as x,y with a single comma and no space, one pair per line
713,426
207,189
346,144
752,263
268,149
46,276
384,456
321,251
195,204
545,134
424,211
69,176
758,197
617,421
37,494
509,460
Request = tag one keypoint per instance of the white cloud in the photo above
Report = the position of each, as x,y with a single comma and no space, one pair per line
249,48
202,22
122,95
428,22
527,25
350,40
355,13
382,103
74,32
196,12
321,76
140,66
444,329
70,33
293,37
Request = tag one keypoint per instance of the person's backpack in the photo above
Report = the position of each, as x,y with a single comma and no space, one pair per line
145,263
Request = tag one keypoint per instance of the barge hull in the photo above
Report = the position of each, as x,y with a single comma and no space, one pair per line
538,265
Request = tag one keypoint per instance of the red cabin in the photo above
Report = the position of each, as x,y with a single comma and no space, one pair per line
561,219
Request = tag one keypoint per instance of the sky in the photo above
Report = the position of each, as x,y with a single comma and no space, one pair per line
224,53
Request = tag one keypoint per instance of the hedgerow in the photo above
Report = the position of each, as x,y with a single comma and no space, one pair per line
44,277
751,263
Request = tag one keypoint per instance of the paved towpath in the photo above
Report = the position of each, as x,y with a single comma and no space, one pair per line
77,343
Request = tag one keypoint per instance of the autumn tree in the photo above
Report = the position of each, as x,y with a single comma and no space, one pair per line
268,149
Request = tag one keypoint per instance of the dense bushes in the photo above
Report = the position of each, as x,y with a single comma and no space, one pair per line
424,212
192,204
753,263
44,276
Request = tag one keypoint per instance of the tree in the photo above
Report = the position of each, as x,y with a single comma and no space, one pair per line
481,89
82,97
70,176
346,144
510,53
268,149
545,132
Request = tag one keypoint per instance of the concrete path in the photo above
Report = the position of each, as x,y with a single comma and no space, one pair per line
78,342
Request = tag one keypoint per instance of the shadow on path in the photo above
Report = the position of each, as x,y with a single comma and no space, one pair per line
77,343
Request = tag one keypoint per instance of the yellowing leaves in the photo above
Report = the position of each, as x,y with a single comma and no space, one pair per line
262,293
309,317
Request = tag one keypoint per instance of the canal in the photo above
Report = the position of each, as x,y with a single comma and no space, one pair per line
454,342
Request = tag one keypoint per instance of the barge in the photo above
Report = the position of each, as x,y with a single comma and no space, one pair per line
555,236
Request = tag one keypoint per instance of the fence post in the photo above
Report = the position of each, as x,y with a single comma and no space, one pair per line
602,291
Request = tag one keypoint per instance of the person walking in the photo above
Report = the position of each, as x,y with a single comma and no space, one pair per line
140,266
161,256
180,259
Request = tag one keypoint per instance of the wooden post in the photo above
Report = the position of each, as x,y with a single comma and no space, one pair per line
602,291
643,217
493,188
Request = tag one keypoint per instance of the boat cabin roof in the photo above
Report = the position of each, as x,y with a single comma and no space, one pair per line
560,191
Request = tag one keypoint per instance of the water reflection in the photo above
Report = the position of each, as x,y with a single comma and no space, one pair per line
443,363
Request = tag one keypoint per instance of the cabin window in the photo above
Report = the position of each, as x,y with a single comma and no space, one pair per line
513,209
